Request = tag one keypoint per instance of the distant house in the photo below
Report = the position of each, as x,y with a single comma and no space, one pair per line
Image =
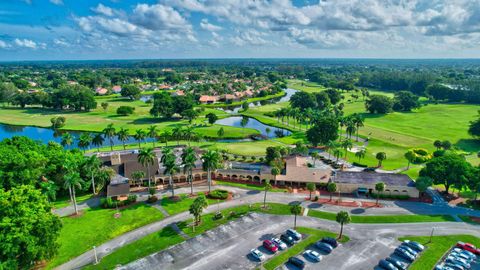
117,89
239,94
32,84
164,87
208,99
101,91
248,93
178,93
228,97
72,83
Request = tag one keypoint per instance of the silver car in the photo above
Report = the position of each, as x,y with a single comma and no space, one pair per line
279,243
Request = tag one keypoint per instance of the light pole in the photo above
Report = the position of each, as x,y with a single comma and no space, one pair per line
431,234
95,253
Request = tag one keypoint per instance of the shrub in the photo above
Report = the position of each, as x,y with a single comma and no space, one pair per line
125,110
261,159
359,165
315,199
152,199
421,155
439,153
110,203
396,197
218,194
58,122
151,191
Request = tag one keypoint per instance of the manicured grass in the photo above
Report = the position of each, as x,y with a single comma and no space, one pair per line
97,226
384,219
143,247
248,186
65,201
468,219
313,236
174,207
437,248
238,103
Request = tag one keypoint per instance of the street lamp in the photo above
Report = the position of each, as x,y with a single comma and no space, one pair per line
95,253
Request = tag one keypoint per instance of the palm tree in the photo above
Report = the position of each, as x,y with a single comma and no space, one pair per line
350,128
267,187
165,136
311,187
189,158
358,120
152,133
110,132
211,160
410,156
92,164
314,156
177,133
188,133
72,180
337,153
139,136
295,209
97,140
84,141
343,218
380,156
146,157
169,162
196,209
275,171
330,145
360,154
123,136
379,187
331,188
67,139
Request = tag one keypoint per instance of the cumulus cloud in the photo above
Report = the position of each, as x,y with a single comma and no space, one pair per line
249,37
103,10
159,17
3,44
205,25
27,43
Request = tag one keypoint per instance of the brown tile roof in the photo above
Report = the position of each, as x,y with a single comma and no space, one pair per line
297,171
118,190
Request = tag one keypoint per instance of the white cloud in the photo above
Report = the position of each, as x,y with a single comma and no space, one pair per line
61,42
158,17
56,2
249,37
205,25
27,43
3,44
103,10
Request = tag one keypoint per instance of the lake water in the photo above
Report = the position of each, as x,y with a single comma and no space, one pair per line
235,109
236,121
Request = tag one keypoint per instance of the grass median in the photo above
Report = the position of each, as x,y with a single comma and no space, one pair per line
249,186
384,219
174,207
313,236
437,248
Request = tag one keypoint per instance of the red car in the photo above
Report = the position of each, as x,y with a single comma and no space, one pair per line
469,247
270,246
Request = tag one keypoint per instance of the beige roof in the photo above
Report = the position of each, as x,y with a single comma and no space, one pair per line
118,190
298,171
205,98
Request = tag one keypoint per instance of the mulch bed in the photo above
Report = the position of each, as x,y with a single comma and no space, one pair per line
80,214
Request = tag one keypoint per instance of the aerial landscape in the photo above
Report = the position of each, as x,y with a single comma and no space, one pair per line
238,134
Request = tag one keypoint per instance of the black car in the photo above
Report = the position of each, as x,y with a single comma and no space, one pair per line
331,241
397,263
386,265
297,262
287,239
324,247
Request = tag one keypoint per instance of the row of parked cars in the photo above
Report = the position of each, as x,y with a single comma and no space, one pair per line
326,245
408,251
289,238
460,257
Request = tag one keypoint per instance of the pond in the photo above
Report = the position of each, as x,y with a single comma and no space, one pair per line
235,109
247,122
46,135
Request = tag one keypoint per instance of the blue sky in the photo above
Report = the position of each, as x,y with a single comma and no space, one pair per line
127,29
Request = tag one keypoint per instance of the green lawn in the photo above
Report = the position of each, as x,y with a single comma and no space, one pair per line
65,201
313,236
97,226
384,219
437,248
248,186
143,247
175,207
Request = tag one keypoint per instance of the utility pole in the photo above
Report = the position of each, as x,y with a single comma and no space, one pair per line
431,234
95,253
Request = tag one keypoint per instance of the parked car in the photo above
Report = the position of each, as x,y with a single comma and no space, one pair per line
313,255
386,265
324,247
414,245
279,243
443,267
454,266
469,247
297,262
461,255
331,241
294,234
270,246
287,239
257,254
466,252
400,265
458,261
404,254
411,251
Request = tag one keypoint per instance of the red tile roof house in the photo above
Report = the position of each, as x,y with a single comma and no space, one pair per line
117,89
208,99
101,91
178,93
229,97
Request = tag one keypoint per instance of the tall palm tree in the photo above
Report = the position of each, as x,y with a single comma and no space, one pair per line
314,156
123,136
67,139
295,209
358,120
330,146
361,154
146,157
152,133
139,136
109,133
275,171
211,160
84,141
169,162
188,134
177,133
343,218
72,180
379,188
347,144
337,153
97,140
267,187
189,158
380,156
92,164
165,136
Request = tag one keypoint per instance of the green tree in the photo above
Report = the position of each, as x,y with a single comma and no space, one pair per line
346,144
446,145
343,218
423,183
165,136
58,122
267,186
380,156
49,189
410,156
104,105
29,229
72,181
109,133
212,118
189,157
275,171
323,131
437,144
311,187
139,136
196,209
92,165
379,104
474,128
152,133
448,170
170,163
331,188
177,133
314,156
123,136
84,141
221,133
147,157
131,91
379,188
138,175
67,139
405,101
295,209
97,140
360,154
190,114
211,162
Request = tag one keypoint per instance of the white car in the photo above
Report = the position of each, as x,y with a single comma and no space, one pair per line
257,254
313,255
465,252
279,243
